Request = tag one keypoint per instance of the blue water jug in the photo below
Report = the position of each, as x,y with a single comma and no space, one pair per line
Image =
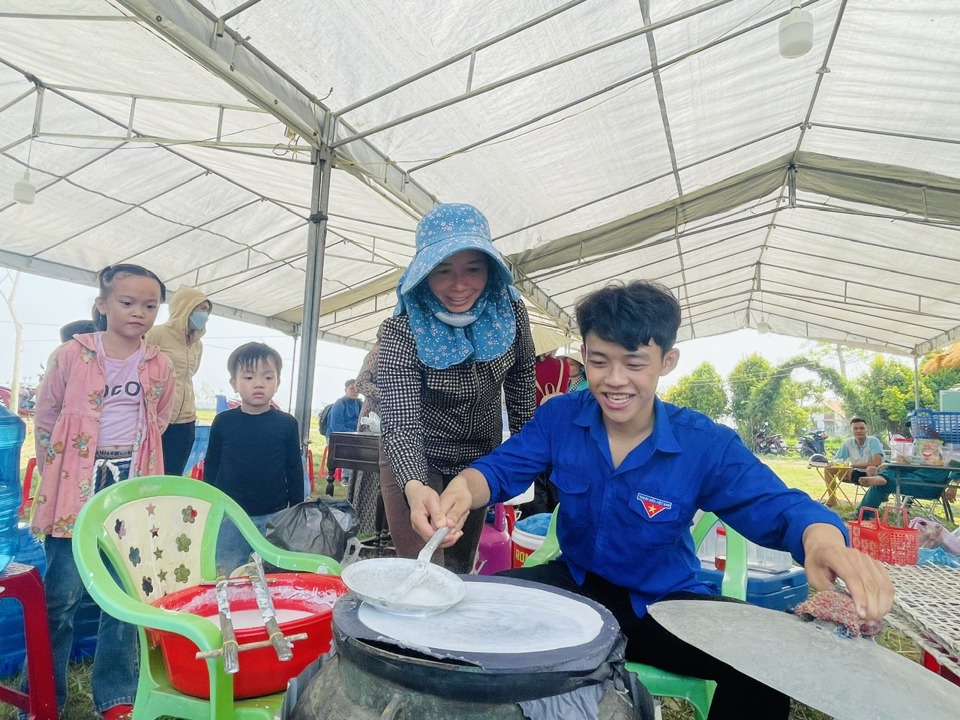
12,433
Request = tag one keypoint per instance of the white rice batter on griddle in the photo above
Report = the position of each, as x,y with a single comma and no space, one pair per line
494,618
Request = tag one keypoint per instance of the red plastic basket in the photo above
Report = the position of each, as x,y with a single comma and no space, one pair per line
865,533
883,541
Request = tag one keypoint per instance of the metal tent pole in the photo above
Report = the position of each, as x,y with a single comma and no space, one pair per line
316,237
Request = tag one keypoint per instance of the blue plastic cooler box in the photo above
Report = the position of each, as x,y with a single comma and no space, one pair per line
777,591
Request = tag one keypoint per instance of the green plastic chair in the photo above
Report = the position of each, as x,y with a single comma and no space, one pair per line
160,534
661,683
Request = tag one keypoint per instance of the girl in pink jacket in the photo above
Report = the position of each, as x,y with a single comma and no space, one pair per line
102,406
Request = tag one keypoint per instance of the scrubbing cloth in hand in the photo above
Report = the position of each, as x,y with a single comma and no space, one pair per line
836,607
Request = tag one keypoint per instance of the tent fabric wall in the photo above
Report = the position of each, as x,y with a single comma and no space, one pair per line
608,139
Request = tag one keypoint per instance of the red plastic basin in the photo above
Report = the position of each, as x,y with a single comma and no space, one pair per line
261,673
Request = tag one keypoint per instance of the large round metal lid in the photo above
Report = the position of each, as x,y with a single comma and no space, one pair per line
506,627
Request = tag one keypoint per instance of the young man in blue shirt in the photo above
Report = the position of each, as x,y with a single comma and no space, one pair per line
631,471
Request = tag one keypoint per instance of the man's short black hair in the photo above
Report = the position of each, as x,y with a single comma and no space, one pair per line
247,357
631,315
348,383
856,420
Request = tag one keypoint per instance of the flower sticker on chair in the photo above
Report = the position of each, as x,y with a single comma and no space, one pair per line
120,528
134,556
184,542
181,574
189,514
147,586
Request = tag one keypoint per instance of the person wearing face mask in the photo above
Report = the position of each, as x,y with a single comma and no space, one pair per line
459,337
179,337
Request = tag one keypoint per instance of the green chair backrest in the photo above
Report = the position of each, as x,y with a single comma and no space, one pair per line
160,534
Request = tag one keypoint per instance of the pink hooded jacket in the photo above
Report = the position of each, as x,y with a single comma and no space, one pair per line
67,425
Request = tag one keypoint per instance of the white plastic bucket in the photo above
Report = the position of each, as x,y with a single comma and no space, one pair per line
524,544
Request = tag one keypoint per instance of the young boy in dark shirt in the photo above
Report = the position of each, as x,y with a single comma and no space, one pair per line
254,450
631,471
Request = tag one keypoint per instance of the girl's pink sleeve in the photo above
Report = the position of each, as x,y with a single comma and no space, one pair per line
49,403
165,404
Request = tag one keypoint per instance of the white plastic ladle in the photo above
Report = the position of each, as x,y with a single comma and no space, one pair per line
420,571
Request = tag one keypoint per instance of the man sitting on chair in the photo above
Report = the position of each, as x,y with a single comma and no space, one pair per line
919,483
862,451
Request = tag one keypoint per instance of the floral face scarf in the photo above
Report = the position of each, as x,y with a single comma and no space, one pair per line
444,339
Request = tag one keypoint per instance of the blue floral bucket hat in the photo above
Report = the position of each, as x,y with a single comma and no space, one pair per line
444,231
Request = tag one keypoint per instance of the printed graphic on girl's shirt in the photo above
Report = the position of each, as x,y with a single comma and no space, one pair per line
130,389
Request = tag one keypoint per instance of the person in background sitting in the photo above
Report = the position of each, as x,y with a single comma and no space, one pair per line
860,451
179,337
919,483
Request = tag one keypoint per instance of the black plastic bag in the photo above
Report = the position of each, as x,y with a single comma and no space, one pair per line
323,526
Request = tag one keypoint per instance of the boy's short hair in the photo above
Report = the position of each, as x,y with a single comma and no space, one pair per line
631,315
248,356
348,383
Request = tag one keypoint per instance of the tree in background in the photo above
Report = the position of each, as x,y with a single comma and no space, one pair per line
747,375
943,379
702,390
760,392
764,393
885,396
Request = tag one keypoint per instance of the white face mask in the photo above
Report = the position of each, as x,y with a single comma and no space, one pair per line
198,320
458,320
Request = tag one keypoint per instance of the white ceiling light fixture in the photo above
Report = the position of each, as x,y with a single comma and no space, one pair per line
24,191
763,327
796,32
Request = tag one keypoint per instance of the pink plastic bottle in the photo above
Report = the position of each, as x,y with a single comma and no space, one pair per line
495,551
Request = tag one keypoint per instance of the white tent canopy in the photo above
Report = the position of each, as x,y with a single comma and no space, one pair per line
252,148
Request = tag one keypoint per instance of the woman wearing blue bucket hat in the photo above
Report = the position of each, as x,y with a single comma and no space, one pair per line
459,336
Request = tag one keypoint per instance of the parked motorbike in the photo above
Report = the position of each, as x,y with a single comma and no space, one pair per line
28,398
811,443
765,443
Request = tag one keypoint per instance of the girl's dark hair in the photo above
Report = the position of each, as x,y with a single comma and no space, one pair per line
111,273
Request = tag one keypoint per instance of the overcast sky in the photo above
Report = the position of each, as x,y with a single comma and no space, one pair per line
44,305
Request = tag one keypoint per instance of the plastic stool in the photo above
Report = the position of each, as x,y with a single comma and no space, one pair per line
23,583
27,482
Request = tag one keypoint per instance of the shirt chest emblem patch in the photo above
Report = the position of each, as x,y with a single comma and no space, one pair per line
653,506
